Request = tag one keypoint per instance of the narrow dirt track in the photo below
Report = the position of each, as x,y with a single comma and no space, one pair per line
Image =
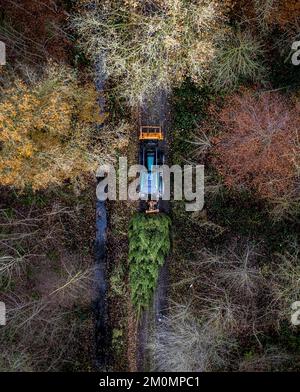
155,111
100,305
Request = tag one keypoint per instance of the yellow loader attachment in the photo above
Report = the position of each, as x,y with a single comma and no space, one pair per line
151,133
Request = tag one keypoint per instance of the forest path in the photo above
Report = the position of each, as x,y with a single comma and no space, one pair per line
155,111
100,302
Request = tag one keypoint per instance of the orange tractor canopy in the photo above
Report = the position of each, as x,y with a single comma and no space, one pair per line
149,132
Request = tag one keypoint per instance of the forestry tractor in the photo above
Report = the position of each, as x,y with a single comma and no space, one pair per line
151,157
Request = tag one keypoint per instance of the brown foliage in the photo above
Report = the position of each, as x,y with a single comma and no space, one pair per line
282,13
46,279
258,148
287,13
33,30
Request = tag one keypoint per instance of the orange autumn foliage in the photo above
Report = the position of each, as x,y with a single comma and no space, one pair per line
259,148
45,130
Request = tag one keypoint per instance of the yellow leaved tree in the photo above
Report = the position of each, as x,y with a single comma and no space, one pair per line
45,130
